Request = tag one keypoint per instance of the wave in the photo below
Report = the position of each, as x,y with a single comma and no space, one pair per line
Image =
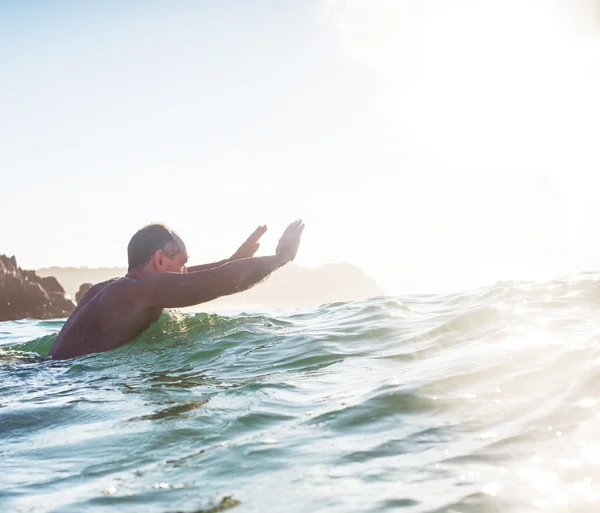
487,397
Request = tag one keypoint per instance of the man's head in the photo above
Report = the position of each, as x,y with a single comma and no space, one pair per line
156,248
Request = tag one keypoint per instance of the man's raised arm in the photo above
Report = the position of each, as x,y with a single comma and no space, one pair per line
174,290
207,267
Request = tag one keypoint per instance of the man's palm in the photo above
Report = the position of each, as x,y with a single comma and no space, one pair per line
250,247
290,241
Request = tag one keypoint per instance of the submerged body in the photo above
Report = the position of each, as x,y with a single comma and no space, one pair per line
105,319
116,311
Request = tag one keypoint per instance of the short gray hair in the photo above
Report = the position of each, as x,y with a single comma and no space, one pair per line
150,239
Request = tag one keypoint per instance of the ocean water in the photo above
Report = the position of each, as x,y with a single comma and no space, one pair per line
475,402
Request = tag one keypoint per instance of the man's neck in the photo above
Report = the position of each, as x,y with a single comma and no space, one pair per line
138,273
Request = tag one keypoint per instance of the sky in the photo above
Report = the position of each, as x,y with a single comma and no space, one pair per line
435,144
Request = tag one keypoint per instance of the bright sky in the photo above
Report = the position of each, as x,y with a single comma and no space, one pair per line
435,144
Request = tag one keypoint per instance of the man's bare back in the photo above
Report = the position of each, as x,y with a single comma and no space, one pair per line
102,321
114,312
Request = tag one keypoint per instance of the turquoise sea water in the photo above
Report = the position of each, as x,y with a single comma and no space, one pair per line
482,401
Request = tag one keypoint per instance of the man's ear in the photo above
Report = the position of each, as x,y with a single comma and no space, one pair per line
158,259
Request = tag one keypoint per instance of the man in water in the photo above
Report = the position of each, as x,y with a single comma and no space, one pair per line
114,312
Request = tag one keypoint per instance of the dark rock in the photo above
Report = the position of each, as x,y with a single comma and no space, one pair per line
83,289
7,265
23,294
36,291
51,284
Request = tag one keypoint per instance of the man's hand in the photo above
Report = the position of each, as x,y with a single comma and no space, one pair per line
289,242
250,247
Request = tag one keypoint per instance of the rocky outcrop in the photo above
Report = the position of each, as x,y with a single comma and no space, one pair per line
83,289
23,294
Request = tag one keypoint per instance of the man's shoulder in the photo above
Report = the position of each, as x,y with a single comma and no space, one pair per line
103,285
113,284
125,288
